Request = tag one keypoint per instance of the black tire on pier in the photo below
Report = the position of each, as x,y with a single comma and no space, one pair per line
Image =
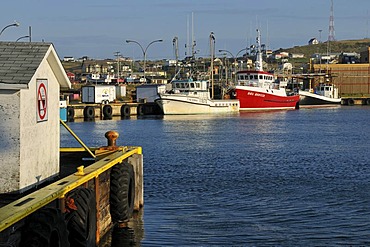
12,236
125,111
140,110
46,227
89,112
107,112
81,222
351,102
122,192
70,112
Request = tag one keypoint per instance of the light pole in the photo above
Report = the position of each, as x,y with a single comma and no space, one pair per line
15,24
235,59
144,51
23,37
26,36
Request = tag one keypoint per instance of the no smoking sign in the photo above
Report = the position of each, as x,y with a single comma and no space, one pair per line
42,100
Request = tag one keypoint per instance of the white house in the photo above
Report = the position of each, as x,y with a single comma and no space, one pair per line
31,75
313,41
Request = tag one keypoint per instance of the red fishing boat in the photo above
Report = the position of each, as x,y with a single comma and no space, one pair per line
258,90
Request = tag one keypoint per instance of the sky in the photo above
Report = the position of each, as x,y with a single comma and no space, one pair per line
99,29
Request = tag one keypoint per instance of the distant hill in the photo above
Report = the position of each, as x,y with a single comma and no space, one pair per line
334,47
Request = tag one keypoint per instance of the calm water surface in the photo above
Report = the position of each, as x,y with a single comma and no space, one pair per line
283,178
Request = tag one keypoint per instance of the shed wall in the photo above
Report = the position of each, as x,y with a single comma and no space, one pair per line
39,152
9,140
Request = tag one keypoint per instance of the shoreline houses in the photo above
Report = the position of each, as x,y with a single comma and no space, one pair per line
348,70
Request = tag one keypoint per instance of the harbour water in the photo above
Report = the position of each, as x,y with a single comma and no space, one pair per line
280,178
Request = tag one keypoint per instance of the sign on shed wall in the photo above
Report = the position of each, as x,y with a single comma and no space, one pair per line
42,99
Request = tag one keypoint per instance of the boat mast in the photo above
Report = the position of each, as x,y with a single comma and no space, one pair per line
212,46
192,36
191,48
258,64
175,43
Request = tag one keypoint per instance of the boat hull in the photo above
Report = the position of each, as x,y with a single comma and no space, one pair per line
307,98
178,104
253,98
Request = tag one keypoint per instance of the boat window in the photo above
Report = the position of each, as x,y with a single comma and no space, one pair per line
186,85
261,76
192,85
256,77
198,85
177,85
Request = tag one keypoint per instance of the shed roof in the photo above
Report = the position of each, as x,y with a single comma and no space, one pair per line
20,60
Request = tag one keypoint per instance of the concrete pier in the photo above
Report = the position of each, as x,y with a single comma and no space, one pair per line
107,111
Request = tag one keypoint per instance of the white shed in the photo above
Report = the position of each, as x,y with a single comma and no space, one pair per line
31,76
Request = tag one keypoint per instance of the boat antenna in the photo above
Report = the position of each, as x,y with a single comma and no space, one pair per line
258,63
193,43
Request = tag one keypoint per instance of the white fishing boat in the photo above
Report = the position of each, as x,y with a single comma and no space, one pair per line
193,97
323,94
